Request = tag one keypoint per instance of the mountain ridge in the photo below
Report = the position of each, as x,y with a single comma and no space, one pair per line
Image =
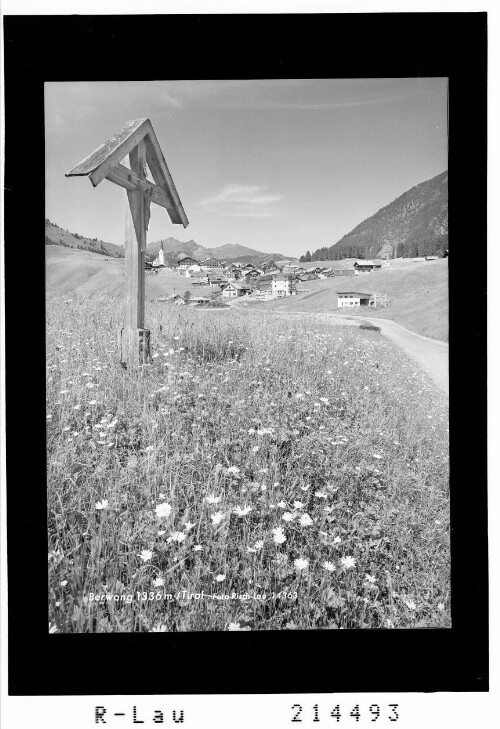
173,248
413,224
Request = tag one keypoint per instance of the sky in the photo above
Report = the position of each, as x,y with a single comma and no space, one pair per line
282,166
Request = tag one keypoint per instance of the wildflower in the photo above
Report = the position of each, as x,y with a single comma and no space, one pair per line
242,511
437,522
299,395
188,526
149,448
197,548
92,402
256,449
63,583
146,555
251,431
251,550
370,579
102,504
159,629
233,469
287,516
220,578
410,605
159,582
305,488
212,499
161,532
53,628
259,544
301,564
305,520
163,510
440,606
278,535
234,626
337,540
348,562
298,505
90,385
390,624
177,537
325,400
320,495
376,455
329,566
217,518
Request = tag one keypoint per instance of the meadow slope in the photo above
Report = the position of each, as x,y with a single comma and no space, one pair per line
256,455
417,295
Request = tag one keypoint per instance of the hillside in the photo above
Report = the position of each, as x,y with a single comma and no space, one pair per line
415,224
77,272
417,296
54,235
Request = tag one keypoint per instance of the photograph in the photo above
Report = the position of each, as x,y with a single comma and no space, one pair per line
246,341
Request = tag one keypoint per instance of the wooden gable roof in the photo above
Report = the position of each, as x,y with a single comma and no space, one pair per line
105,163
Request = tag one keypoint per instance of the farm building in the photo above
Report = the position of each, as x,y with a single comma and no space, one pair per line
233,290
363,266
211,263
354,298
432,258
196,269
186,262
343,272
217,280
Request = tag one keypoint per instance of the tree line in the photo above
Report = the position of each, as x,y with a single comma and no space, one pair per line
412,248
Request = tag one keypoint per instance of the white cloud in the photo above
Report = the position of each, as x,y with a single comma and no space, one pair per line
242,201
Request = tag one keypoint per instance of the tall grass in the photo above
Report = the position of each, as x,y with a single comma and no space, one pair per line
243,423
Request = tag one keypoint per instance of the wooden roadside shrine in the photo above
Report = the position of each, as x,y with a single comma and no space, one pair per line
136,139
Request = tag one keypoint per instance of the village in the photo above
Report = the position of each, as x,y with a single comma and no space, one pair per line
228,281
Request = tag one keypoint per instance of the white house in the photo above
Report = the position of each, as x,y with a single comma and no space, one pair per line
282,284
353,298
233,290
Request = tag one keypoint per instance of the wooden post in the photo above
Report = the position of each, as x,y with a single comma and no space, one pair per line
134,338
137,139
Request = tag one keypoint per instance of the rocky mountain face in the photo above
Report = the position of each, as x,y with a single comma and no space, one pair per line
414,224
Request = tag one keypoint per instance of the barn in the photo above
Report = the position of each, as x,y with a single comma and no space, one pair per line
353,298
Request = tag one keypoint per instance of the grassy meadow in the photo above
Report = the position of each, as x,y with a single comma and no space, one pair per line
298,467
417,295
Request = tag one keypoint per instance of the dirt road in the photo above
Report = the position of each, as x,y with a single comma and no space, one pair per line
431,354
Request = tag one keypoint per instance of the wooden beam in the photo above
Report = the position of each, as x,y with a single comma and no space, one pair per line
163,178
134,338
130,180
